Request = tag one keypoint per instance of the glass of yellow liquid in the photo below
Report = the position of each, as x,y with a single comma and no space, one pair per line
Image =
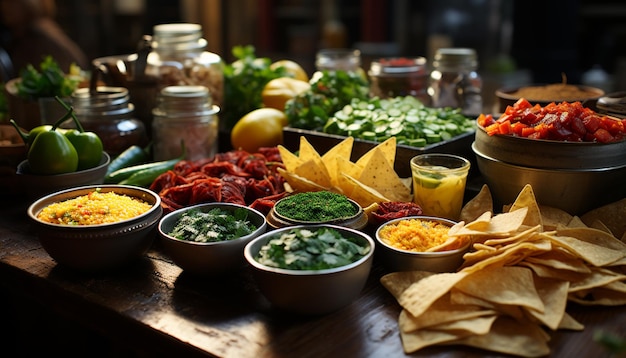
439,183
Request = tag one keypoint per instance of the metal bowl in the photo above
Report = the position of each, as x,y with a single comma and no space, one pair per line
395,259
573,190
208,258
36,185
98,247
310,292
550,154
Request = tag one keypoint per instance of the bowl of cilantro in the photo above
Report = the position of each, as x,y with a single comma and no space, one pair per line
310,269
209,238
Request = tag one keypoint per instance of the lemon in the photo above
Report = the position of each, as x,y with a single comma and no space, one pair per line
293,68
261,127
278,91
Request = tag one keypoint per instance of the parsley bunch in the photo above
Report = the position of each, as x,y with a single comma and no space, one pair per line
215,225
48,81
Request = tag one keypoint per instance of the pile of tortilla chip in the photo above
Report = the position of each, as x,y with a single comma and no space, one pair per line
514,285
371,179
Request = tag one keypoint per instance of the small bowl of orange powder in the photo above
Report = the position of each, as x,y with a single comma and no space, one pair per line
421,243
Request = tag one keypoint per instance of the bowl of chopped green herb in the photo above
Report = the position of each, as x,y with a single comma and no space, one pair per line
317,207
209,238
311,269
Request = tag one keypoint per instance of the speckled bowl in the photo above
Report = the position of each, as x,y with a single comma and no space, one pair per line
95,248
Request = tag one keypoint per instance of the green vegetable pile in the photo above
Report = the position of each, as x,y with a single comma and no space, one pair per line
330,91
406,118
303,249
316,206
244,80
212,226
48,81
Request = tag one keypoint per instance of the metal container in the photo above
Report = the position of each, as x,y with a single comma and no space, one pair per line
208,258
395,259
306,291
574,190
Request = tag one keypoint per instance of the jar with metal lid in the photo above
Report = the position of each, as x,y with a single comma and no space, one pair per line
184,113
455,82
179,58
399,76
333,59
107,111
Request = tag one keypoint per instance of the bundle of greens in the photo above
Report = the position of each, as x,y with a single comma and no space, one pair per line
48,81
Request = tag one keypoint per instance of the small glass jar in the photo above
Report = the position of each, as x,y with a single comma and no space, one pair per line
455,82
184,113
107,111
333,59
179,58
399,76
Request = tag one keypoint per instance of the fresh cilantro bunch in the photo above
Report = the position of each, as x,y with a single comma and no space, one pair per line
214,225
303,249
330,91
244,80
48,81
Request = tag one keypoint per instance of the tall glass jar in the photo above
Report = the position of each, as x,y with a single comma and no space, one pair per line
179,58
107,111
399,76
184,113
455,82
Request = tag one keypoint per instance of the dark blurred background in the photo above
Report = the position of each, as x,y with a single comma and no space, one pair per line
518,41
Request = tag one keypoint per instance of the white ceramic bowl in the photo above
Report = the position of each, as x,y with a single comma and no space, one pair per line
98,247
395,259
208,258
310,292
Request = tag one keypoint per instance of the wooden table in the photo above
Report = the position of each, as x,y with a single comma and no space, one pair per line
152,308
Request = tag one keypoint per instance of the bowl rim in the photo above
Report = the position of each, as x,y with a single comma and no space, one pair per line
482,155
425,254
180,211
505,92
307,273
82,190
23,168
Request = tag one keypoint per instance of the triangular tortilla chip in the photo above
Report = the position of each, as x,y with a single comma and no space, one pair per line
331,158
379,174
478,205
388,147
299,183
526,198
290,160
363,194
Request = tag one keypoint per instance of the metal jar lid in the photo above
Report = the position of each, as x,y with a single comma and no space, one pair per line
104,101
448,59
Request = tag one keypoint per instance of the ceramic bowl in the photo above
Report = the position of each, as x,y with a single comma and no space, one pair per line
508,96
395,259
102,247
208,258
36,186
310,292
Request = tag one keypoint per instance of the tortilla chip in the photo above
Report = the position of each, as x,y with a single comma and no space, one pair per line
476,206
397,282
290,160
363,194
331,158
421,295
388,147
613,215
299,183
526,199
553,217
378,173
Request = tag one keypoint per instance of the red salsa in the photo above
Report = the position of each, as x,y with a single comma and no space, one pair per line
565,121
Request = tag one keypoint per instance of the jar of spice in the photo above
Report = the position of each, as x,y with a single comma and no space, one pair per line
184,113
179,58
107,111
455,82
399,76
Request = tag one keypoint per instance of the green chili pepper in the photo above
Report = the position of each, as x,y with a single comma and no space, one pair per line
143,174
132,155
87,144
52,153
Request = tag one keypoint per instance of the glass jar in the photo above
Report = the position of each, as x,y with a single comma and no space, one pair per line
399,76
333,59
455,82
179,58
107,111
184,113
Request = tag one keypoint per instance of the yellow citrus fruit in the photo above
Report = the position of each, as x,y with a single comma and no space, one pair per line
278,91
293,68
261,127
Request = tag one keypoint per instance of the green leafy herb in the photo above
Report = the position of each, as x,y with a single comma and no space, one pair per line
244,80
304,249
405,118
50,81
214,225
330,91
316,206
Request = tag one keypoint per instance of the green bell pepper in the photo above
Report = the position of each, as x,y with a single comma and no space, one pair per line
87,144
52,153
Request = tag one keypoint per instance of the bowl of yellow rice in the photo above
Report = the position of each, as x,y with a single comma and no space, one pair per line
97,227
421,243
